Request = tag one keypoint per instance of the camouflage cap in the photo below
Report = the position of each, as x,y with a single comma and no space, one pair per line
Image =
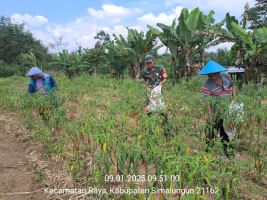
149,58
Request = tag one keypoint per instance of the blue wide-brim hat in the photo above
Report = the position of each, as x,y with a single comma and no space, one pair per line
212,67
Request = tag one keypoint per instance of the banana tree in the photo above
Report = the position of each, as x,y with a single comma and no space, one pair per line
71,63
29,59
141,43
119,57
128,52
256,51
62,60
182,40
229,34
95,57
135,47
206,22
251,47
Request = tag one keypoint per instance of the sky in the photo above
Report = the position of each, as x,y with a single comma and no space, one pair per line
78,21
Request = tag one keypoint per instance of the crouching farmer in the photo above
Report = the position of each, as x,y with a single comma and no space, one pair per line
45,85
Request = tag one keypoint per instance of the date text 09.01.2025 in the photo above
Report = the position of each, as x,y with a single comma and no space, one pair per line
141,178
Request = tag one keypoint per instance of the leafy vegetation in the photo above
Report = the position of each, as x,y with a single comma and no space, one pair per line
222,56
98,126
7,70
16,39
102,37
100,130
257,15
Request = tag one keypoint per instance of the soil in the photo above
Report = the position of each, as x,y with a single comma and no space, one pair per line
27,170
18,181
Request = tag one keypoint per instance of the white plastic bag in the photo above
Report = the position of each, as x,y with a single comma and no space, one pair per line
236,111
231,131
156,103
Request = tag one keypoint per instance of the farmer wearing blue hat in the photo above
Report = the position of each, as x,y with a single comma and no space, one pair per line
220,87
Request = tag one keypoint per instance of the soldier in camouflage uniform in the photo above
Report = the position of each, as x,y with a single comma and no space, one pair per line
152,76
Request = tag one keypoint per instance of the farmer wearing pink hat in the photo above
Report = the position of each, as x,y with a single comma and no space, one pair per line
221,89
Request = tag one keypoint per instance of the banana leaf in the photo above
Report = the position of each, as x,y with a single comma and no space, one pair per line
192,20
244,35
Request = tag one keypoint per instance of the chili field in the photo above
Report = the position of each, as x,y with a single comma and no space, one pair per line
98,127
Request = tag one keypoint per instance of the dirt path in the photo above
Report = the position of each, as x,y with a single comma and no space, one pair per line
17,178
26,169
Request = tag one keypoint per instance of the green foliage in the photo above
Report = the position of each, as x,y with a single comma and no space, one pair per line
118,58
29,59
130,52
257,15
164,60
102,37
74,63
210,56
256,42
102,133
7,70
16,39
222,56
233,54
188,39
243,34
257,91
96,58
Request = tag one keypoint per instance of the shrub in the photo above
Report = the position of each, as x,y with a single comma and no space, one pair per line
7,70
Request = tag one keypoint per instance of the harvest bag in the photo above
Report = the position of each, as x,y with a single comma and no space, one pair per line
236,111
156,102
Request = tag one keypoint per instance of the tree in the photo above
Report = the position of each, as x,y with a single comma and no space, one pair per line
223,57
187,39
96,58
102,37
142,43
58,43
236,34
16,39
257,15
210,56
255,51
132,49
71,64
29,59
233,54
118,58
